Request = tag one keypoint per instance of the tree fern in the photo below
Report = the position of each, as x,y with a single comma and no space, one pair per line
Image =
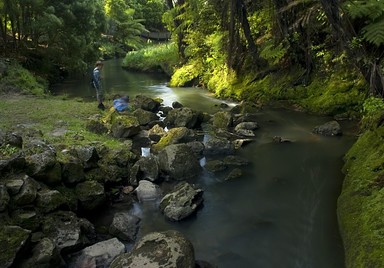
372,11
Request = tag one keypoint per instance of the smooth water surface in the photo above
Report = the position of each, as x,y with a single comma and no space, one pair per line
280,213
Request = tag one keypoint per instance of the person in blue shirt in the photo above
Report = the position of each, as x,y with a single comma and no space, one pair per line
96,80
121,103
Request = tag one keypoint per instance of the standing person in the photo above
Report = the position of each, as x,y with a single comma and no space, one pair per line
96,76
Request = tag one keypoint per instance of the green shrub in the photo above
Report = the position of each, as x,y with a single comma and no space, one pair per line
154,58
16,79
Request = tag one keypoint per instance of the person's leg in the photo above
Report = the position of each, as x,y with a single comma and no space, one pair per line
100,98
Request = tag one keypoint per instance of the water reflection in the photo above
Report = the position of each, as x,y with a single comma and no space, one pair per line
280,213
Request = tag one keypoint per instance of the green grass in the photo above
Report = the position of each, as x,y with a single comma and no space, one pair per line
51,114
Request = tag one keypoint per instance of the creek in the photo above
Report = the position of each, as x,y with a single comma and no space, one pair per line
280,213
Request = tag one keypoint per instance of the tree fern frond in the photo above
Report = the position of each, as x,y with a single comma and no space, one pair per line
371,9
374,32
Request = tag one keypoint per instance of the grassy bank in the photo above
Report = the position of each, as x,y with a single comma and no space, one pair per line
61,121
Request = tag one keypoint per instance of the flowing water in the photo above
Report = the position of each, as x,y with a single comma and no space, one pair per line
280,213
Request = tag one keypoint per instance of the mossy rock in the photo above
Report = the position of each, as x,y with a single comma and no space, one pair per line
12,240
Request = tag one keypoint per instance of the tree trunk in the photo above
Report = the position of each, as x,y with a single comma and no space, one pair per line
371,71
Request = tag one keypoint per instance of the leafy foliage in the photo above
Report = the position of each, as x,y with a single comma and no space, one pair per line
161,57
372,14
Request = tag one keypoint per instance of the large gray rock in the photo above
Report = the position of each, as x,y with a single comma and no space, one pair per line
146,103
145,117
42,163
179,162
331,128
28,192
147,191
49,200
125,226
183,117
181,202
146,168
44,255
169,249
88,156
100,254
246,128
218,146
66,230
91,195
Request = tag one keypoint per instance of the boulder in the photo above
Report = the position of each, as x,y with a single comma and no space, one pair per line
246,107
125,126
95,125
222,119
174,136
179,162
27,219
12,240
146,168
169,249
125,226
146,103
100,254
156,133
181,202
215,166
40,157
27,193
147,191
144,117
91,195
72,172
44,254
218,146
50,200
67,231
15,163
331,128
88,156
246,129
182,117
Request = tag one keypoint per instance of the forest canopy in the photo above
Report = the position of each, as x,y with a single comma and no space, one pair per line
233,37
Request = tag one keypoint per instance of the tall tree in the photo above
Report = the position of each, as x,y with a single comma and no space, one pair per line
362,36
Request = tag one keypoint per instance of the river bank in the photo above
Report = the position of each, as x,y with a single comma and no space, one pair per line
46,113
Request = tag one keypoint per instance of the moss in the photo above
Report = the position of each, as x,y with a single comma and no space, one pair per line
11,239
361,204
171,137
19,80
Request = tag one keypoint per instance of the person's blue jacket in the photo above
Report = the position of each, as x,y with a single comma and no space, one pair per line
121,104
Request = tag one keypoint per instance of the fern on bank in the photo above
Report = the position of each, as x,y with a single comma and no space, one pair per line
372,11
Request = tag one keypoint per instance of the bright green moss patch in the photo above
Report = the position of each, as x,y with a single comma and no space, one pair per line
361,204
16,79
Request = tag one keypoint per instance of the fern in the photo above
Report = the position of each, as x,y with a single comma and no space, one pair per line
374,32
373,13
